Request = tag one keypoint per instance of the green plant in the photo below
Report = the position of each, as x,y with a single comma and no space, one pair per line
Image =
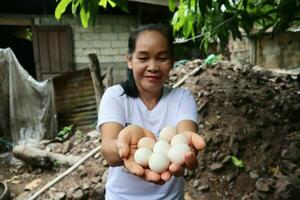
65,131
237,162
79,135
88,9
56,163
208,20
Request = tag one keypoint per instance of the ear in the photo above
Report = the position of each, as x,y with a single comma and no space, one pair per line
129,61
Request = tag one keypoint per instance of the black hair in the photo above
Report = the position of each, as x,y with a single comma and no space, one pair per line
129,86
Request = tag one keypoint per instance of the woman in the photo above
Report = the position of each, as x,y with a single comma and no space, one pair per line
148,105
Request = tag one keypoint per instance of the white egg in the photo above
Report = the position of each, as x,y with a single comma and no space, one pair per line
146,142
142,155
161,146
178,139
177,152
158,162
167,133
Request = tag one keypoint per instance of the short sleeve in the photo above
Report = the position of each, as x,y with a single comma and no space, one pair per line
187,107
111,107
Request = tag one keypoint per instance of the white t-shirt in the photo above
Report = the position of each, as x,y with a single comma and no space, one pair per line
175,105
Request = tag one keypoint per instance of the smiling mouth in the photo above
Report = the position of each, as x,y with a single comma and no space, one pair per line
153,77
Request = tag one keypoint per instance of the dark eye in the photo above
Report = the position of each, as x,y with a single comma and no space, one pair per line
163,58
142,58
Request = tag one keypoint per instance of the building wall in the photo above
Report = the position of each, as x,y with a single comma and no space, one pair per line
108,39
240,49
282,51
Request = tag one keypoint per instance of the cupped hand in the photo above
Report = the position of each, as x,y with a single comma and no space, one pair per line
127,145
196,143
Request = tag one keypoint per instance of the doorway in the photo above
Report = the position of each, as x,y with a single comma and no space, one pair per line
19,39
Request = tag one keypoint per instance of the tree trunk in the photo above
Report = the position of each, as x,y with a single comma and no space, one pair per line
96,77
42,158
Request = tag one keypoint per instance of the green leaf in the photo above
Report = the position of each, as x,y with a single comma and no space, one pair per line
112,4
172,5
93,8
75,4
84,17
61,8
237,162
103,3
123,5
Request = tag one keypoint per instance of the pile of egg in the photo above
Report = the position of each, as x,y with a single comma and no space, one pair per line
170,148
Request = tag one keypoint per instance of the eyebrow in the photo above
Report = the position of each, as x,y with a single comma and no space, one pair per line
146,53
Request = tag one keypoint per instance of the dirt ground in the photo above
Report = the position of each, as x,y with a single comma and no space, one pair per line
250,119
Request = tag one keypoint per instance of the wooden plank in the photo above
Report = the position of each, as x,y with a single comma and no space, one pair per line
53,50
45,62
54,53
75,99
66,50
16,21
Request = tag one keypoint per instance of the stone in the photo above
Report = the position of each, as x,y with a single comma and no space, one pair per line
262,185
78,194
215,166
33,185
66,147
98,193
58,196
253,174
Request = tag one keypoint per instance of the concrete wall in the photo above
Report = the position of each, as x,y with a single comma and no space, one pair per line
108,39
240,50
283,51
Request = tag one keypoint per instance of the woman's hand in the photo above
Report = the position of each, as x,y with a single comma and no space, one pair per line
196,143
127,145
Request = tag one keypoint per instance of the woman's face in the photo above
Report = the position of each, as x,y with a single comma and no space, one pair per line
150,61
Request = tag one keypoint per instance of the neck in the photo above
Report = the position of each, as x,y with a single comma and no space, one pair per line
150,99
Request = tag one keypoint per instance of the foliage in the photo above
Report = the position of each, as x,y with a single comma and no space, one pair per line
237,162
209,20
215,20
56,163
79,135
65,131
88,9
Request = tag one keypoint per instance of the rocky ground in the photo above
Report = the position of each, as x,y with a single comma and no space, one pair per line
249,118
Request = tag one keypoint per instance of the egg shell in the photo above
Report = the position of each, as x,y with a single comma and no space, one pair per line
167,133
178,139
146,142
177,152
142,155
161,146
158,162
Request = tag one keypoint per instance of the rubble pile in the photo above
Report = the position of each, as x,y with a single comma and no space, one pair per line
250,114
249,117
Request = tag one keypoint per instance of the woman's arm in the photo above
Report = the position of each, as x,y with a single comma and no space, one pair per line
109,132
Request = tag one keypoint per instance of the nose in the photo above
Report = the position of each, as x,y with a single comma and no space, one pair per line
152,67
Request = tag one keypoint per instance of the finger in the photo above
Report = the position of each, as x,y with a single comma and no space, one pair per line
149,134
198,141
165,176
123,143
151,176
134,168
176,170
195,140
191,161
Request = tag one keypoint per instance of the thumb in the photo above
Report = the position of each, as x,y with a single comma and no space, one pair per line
195,140
123,143
198,141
